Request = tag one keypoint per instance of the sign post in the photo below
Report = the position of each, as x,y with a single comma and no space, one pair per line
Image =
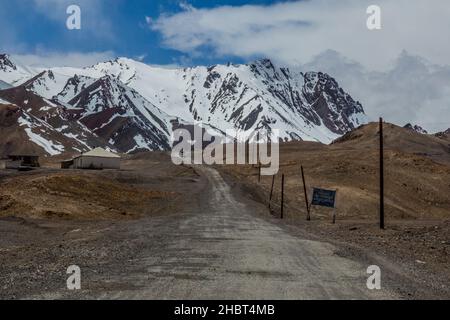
325,198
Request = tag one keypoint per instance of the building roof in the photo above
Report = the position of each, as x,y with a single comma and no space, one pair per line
100,152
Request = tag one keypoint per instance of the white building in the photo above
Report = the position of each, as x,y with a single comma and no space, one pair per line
97,159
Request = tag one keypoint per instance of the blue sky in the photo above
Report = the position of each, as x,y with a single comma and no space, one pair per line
115,26
204,32
405,64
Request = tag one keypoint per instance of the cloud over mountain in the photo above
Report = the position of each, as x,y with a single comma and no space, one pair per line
293,32
412,90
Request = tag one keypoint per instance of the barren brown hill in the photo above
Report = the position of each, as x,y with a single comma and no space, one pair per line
417,175
398,139
145,186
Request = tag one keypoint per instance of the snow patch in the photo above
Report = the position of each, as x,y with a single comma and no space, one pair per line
49,146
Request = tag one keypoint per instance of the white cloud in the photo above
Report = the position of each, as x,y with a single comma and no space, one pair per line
294,32
71,59
186,6
405,89
412,90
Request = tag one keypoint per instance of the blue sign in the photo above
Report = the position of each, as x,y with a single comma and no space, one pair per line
324,198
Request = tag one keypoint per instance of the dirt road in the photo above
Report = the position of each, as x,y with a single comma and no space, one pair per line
224,246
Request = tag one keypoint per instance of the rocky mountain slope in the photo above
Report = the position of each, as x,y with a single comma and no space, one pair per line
132,105
415,128
119,114
32,124
306,106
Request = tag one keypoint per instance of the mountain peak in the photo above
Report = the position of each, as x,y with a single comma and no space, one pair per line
6,63
443,134
265,63
415,128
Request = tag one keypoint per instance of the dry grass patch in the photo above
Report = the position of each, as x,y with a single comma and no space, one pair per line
80,195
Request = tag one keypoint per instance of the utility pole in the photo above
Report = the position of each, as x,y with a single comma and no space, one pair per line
308,214
282,196
381,175
259,173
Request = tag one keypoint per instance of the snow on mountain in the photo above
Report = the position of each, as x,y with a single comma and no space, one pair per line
74,86
121,115
47,84
134,105
13,72
308,106
48,125
415,128
3,101
41,138
4,85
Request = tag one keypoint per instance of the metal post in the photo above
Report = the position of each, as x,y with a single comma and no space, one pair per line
282,196
381,175
308,217
271,190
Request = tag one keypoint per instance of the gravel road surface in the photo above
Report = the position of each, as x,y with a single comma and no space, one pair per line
222,246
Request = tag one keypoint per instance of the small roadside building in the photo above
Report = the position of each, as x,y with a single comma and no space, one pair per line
97,158
16,161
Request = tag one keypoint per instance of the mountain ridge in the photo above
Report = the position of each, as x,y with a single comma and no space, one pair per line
307,106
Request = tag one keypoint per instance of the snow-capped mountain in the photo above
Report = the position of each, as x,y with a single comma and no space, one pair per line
118,114
47,84
12,72
133,105
30,122
4,85
73,87
415,128
308,106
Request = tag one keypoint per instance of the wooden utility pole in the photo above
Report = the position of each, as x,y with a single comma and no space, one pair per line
381,175
259,173
271,191
308,216
282,196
